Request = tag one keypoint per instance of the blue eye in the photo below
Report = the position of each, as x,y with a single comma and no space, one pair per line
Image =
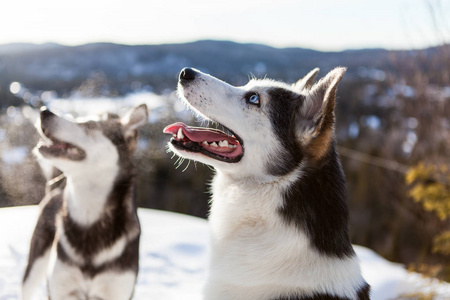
253,99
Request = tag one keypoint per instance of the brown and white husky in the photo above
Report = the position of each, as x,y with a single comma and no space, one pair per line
89,224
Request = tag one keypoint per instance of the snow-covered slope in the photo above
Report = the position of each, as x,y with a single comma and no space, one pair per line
173,258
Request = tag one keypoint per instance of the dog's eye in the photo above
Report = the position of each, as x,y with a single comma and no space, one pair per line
253,98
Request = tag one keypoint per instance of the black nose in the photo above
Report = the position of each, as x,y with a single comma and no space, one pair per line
187,74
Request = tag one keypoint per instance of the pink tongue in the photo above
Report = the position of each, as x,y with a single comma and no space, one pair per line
198,134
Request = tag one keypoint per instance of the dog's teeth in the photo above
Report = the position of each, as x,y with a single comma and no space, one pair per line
223,143
232,146
214,144
180,134
205,143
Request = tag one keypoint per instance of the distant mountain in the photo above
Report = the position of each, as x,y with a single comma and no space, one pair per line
24,47
63,68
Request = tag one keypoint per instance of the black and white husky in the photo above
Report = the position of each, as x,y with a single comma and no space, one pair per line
86,238
279,203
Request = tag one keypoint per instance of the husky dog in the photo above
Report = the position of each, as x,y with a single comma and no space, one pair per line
279,216
88,225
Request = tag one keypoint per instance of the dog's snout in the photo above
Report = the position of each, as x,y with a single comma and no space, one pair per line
187,74
46,118
46,113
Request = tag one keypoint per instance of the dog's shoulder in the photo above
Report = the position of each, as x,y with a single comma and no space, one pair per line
50,206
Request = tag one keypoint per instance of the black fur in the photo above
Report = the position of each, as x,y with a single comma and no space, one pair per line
363,294
283,106
316,202
103,233
44,232
127,261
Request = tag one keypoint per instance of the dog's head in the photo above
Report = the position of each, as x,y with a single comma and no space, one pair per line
272,126
99,143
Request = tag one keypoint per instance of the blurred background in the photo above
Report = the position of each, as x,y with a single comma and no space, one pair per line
393,113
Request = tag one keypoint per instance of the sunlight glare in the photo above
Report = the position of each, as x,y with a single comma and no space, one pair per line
15,87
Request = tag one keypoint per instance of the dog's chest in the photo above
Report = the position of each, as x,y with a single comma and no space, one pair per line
254,246
247,229
93,246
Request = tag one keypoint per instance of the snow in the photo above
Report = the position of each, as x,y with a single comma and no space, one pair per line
389,280
173,258
93,106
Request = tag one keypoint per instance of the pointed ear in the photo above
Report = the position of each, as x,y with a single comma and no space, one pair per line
134,118
319,104
307,81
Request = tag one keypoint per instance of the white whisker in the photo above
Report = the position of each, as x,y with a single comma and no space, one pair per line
189,162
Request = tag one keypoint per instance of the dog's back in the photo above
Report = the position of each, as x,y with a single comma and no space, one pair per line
89,217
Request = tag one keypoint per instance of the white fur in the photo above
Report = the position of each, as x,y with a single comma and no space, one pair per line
86,200
115,250
114,286
255,254
88,181
110,253
68,283
37,272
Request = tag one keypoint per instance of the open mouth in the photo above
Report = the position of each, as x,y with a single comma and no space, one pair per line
213,143
49,146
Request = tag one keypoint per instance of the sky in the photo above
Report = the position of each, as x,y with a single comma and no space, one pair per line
328,25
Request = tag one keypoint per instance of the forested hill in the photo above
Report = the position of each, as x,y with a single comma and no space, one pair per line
62,68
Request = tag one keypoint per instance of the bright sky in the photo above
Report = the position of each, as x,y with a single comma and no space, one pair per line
317,24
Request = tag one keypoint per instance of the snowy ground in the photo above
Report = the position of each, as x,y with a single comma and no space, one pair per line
173,258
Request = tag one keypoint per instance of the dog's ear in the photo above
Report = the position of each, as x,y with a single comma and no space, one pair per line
317,112
134,118
320,100
307,81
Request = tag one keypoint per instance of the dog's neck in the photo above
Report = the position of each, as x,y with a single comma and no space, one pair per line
259,181
239,202
87,195
310,197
